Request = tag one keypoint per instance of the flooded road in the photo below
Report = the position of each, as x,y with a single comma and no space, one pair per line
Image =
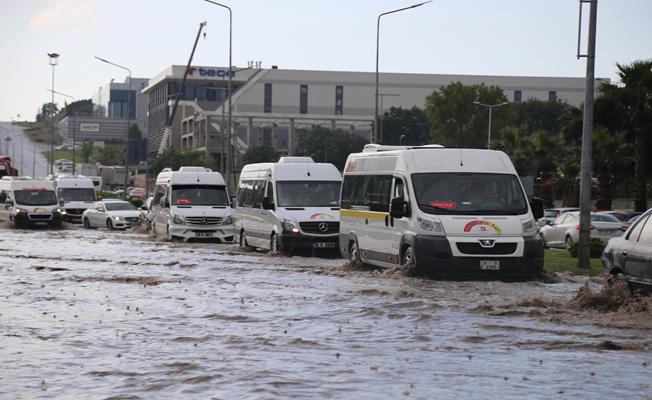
98,315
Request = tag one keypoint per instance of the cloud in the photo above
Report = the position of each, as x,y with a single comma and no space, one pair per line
67,14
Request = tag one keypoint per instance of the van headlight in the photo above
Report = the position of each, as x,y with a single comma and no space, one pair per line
179,220
61,211
431,225
19,210
529,228
289,226
227,220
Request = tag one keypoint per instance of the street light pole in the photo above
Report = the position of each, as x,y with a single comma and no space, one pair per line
228,152
490,107
54,60
73,128
375,132
128,122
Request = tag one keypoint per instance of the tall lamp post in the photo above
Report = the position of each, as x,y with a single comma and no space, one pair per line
228,152
128,122
73,127
375,133
490,107
54,60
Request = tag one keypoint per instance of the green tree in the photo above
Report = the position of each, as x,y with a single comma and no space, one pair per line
456,122
109,155
260,154
609,151
331,146
86,151
173,158
517,144
79,107
411,123
538,115
636,90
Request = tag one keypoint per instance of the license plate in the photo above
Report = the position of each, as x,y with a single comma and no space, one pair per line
204,234
489,265
322,245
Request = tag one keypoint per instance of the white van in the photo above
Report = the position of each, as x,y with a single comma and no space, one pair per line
192,203
439,211
76,194
29,202
290,204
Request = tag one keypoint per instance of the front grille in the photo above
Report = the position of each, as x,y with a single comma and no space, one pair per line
475,248
133,221
314,227
40,217
75,211
203,221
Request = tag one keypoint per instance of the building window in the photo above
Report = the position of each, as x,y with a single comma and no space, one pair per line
518,96
339,100
267,107
303,99
552,95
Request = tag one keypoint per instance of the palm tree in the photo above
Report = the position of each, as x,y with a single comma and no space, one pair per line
609,150
636,90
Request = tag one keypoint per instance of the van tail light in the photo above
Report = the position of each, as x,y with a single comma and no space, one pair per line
591,227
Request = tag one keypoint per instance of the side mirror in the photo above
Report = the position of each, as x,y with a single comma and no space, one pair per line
268,203
398,207
536,204
232,200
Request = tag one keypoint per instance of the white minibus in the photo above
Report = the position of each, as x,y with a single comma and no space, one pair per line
29,202
439,211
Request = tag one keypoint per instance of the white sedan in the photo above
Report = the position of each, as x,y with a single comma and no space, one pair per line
111,214
565,230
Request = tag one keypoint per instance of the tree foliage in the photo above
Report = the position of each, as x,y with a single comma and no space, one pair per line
173,158
411,123
456,122
260,154
331,146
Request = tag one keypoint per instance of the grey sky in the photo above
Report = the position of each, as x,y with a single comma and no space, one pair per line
498,37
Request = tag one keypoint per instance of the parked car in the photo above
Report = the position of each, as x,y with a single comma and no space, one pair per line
623,216
136,192
630,255
551,214
565,230
112,214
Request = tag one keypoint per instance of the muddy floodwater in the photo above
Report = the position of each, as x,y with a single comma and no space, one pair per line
93,314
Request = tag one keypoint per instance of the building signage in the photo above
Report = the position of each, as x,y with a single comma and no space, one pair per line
210,72
88,127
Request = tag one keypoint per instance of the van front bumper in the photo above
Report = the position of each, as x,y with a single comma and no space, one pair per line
223,233
34,219
290,241
434,258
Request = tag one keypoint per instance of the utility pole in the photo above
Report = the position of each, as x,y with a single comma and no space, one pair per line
584,253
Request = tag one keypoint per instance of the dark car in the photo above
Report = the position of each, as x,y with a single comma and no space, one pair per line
630,255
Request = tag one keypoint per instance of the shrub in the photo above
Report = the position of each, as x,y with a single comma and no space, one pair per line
136,201
597,246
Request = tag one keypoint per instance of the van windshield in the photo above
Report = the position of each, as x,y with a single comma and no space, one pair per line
77,194
469,193
199,195
308,193
38,197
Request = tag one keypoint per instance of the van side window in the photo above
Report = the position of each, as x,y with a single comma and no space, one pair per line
159,192
353,191
399,189
245,194
270,190
378,191
258,193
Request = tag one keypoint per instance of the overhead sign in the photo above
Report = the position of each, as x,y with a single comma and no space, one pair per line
89,127
210,72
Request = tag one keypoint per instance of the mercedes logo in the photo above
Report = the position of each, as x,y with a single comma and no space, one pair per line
487,243
202,221
323,227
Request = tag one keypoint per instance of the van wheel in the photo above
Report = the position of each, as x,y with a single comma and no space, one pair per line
87,224
109,224
274,247
408,261
569,242
354,253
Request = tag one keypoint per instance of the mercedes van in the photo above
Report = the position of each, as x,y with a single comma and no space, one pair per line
290,204
439,211
191,203
29,202
76,193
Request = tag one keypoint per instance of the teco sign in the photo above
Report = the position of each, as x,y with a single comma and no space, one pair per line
88,127
220,73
